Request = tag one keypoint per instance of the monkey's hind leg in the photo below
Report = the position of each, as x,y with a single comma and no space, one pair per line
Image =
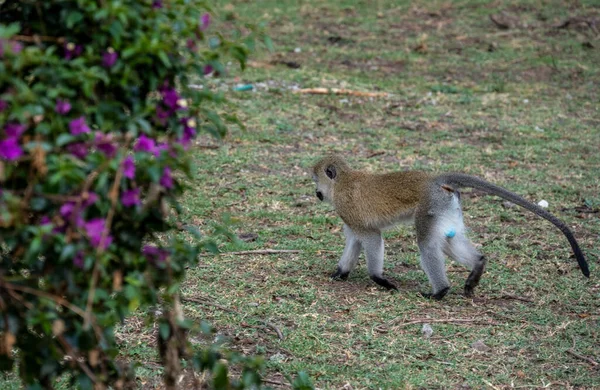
462,250
349,257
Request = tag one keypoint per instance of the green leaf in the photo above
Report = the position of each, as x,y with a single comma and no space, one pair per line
67,252
64,138
165,330
164,58
269,43
220,379
73,18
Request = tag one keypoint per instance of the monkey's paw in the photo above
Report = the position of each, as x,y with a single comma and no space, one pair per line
338,274
437,296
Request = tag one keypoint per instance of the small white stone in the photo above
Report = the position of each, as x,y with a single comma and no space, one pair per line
539,129
427,330
543,203
525,101
297,50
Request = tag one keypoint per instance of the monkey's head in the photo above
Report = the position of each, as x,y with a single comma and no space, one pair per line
326,172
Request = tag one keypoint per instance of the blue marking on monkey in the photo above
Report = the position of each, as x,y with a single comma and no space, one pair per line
451,232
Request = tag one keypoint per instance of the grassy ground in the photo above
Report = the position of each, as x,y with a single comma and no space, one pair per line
515,101
517,106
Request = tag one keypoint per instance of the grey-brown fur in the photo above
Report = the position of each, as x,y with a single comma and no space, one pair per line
369,203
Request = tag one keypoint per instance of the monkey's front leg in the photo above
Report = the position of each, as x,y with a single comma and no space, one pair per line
349,257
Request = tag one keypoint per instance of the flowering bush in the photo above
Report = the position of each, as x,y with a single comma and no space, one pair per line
96,122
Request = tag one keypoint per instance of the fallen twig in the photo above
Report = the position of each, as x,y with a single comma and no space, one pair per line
276,329
272,382
580,356
375,154
516,298
338,91
262,252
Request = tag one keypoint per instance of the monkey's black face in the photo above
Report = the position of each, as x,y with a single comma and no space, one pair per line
320,195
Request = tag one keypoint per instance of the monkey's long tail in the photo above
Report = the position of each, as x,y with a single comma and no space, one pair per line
463,180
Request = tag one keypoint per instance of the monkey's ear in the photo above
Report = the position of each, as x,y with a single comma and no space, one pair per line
330,172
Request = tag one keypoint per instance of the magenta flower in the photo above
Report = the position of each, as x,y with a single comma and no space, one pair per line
204,22
105,144
3,105
160,147
78,126
78,149
191,44
91,198
208,69
189,132
14,129
94,229
10,150
62,106
156,4
154,254
109,58
129,167
66,211
166,179
170,98
78,260
161,115
131,197
72,50
45,220
15,47
144,144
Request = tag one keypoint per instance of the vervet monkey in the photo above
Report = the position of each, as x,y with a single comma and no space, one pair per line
369,203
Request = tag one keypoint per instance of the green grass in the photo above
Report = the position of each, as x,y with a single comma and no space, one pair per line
518,107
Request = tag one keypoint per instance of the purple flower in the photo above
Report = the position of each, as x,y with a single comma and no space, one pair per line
208,69
78,126
154,254
15,47
109,57
45,220
144,144
131,197
89,198
14,129
78,260
191,44
160,147
166,179
3,105
105,144
78,149
204,22
170,98
161,115
189,132
66,211
62,106
156,4
72,50
10,149
129,167
94,229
